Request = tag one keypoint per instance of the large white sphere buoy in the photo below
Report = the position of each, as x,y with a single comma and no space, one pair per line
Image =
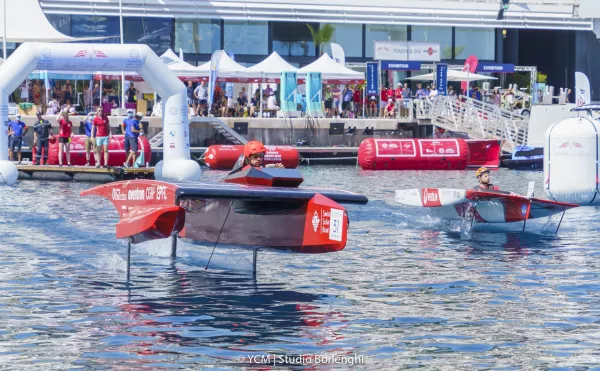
571,161
8,173
178,171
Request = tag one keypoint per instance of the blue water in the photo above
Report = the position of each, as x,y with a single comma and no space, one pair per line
408,291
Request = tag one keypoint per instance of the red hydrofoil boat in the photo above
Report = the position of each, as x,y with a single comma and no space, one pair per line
253,207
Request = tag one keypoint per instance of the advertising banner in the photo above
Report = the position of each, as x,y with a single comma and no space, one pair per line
372,78
406,51
442,79
495,68
400,66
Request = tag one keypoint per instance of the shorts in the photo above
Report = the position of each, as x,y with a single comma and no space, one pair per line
382,104
347,105
15,142
203,102
89,144
131,144
328,103
101,141
63,140
191,101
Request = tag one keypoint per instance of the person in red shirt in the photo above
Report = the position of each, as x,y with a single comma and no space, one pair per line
399,95
102,126
358,93
64,137
383,101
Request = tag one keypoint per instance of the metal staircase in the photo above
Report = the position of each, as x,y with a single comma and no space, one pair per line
157,140
478,119
223,129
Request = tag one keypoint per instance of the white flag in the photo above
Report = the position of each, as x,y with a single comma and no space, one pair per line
337,54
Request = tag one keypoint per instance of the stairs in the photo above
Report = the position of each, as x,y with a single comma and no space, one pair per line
479,120
222,128
157,140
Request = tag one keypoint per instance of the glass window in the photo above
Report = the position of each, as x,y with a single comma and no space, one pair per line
480,42
349,36
96,25
60,22
383,32
441,35
246,37
294,48
197,35
156,32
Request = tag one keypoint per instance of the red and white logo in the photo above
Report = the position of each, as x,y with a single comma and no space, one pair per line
571,144
100,54
81,54
315,221
430,51
431,197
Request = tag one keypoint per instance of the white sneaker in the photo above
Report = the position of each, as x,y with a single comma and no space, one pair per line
125,165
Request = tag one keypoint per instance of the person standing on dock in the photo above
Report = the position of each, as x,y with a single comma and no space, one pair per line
16,130
64,137
131,129
90,142
102,135
42,131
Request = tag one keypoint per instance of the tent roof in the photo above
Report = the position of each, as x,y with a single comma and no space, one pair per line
228,68
178,66
454,75
330,70
273,66
25,22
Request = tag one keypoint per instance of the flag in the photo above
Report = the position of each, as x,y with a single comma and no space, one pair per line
470,66
214,73
337,53
582,89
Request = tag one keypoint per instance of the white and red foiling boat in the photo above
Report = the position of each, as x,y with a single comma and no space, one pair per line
480,206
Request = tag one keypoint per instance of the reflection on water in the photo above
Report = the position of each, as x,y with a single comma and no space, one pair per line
408,291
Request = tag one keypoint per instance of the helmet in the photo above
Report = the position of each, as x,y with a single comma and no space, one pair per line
253,147
481,171
139,114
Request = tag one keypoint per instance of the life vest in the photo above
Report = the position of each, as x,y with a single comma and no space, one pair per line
490,187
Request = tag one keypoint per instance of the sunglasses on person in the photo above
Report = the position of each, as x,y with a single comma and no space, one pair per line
256,156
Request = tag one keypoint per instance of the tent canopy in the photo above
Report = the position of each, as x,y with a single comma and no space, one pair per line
178,66
273,66
454,75
331,71
25,21
231,71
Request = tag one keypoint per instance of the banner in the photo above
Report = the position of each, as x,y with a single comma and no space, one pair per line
441,78
470,66
424,52
288,91
406,51
215,59
400,66
337,53
495,68
372,78
314,89
582,89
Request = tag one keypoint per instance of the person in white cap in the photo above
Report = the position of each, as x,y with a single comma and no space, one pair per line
16,130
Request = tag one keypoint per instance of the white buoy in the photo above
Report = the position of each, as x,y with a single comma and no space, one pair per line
178,170
571,161
8,173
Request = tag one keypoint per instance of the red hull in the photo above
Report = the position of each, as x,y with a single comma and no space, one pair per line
484,153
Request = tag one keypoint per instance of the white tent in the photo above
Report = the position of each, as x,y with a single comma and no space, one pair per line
25,21
332,72
272,67
230,70
454,75
178,66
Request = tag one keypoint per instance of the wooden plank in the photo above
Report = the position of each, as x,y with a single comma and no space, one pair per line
84,169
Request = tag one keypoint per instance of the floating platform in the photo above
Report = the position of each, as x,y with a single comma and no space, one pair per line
82,173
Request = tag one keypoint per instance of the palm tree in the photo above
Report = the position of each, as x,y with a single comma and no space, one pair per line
321,36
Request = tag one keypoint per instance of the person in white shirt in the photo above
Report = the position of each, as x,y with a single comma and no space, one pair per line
271,102
433,94
201,95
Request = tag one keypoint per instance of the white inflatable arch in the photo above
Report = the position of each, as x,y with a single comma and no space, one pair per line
176,164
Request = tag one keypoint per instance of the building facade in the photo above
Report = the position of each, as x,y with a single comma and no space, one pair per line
549,36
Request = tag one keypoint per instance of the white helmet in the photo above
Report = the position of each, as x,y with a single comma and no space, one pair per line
139,114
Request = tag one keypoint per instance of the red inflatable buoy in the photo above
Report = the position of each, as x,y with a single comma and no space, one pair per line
223,157
116,150
413,154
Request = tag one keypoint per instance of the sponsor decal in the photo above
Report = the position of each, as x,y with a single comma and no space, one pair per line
315,221
571,144
172,133
441,150
81,54
173,111
100,54
385,145
136,195
336,225
430,51
187,145
118,196
185,134
431,197
171,145
161,192
524,209
150,193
